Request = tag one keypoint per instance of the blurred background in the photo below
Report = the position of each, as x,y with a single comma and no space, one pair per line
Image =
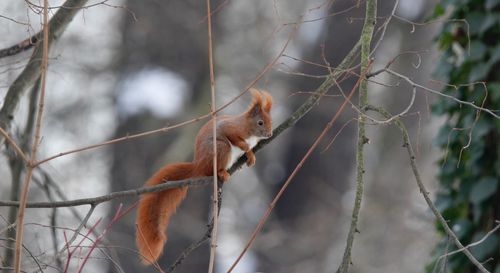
124,67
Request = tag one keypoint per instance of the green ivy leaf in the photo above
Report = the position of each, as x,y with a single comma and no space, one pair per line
477,50
445,40
468,187
483,189
479,72
494,54
444,106
477,212
494,90
475,20
443,202
438,11
482,127
443,135
443,68
488,22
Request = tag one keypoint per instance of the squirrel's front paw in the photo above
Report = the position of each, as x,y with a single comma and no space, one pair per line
223,175
250,159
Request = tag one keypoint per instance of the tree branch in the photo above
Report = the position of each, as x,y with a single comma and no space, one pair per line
114,195
31,72
36,140
366,39
425,193
14,145
414,84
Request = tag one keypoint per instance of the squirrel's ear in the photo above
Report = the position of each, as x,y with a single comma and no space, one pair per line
268,103
254,110
257,102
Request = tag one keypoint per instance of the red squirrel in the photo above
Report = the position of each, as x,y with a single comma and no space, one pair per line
235,135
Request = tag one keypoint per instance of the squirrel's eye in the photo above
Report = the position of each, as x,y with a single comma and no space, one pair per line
260,122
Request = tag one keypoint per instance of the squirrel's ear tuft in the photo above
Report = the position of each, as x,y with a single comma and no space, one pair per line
256,95
268,103
257,103
262,101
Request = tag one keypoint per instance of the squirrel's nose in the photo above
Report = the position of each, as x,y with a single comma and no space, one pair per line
270,134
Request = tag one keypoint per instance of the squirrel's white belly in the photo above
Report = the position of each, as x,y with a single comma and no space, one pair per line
236,152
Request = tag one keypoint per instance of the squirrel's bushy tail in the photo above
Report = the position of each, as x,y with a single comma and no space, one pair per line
155,210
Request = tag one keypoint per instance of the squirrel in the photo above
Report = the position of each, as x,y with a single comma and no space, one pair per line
235,135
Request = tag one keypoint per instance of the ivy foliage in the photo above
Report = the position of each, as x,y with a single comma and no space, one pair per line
469,177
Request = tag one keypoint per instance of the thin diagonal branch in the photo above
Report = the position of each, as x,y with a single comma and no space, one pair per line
78,229
14,145
120,139
425,193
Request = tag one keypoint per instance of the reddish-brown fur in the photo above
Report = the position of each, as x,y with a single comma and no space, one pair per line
155,209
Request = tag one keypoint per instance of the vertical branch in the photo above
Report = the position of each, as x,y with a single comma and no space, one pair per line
36,140
17,165
215,200
366,38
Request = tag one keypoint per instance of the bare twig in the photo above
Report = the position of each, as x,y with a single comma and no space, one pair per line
15,21
129,137
202,240
425,193
36,139
45,184
384,27
413,24
78,229
114,195
414,84
471,244
445,260
17,166
366,39
215,200
337,134
14,145
118,215
85,237
33,257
